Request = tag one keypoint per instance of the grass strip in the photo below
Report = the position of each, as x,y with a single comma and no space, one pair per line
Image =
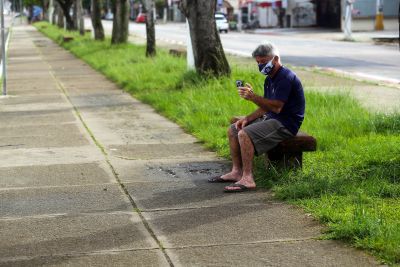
352,183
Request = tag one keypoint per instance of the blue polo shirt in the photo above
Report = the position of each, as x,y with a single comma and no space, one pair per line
286,87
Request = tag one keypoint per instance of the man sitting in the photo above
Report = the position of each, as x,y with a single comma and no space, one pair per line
278,117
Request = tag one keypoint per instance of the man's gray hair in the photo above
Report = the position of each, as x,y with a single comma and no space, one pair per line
267,49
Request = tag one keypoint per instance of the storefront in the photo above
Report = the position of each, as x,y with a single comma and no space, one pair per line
279,13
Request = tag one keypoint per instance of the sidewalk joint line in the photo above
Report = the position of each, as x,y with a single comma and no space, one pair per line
15,188
273,241
207,207
65,215
99,145
75,254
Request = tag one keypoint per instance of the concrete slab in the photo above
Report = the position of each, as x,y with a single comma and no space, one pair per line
56,175
190,194
56,200
29,76
153,257
16,119
27,99
134,116
16,65
49,141
121,133
169,170
36,107
35,237
158,151
82,90
305,253
231,224
53,131
101,100
15,155
31,84
32,89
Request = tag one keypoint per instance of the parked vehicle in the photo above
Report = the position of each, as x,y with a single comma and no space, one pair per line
222,23
109,16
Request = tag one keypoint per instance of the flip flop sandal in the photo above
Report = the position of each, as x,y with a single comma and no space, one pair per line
218,179
238,188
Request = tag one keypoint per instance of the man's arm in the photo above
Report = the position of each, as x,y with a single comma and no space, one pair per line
255,115
264,104
267,104
240,124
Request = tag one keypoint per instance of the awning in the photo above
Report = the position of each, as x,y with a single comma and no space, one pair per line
268,3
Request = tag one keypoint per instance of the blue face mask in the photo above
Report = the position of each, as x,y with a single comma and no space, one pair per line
266,68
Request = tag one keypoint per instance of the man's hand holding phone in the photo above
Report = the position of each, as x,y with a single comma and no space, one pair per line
246,91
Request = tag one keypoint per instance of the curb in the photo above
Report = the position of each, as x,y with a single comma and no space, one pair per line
362,77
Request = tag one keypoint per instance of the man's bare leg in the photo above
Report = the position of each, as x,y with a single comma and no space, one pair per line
247,155
236,172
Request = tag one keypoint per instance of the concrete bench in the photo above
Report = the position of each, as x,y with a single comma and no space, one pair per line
289,153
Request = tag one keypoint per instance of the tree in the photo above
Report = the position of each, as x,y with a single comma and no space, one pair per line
208,53
120,22
66,7
79,13
75,15
54,15
60,16
96,20
150,30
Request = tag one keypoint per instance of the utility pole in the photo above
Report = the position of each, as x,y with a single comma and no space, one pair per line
239,24
3,49
348,20
379,16
21,11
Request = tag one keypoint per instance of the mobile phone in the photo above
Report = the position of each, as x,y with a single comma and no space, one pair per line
239,83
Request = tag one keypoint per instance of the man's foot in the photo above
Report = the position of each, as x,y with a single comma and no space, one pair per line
237,188
241,186
226,178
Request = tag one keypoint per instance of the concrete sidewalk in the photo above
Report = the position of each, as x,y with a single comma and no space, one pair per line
90,176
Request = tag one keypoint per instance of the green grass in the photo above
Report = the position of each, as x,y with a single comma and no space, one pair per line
352,183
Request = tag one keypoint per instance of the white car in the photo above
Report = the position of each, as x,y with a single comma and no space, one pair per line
222,23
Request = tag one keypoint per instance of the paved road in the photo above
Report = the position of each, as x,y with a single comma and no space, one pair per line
361,59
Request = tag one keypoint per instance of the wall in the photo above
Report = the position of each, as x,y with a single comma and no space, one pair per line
367,8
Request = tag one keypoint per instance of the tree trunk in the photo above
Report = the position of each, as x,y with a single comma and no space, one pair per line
66,6
75,17
45,6
81,23
209,56
60,17
150,31
120,22
55,12
96,20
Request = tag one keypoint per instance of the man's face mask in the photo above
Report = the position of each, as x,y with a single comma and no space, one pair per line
266,68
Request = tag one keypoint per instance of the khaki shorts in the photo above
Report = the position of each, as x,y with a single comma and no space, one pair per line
265,134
